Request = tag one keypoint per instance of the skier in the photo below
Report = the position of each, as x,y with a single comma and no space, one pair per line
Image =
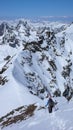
50,104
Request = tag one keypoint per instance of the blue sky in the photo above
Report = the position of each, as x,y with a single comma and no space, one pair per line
35,8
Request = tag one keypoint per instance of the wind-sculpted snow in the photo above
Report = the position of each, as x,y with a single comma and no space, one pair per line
35,59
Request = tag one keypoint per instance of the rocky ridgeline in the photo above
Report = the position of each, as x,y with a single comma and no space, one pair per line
17,115
41,53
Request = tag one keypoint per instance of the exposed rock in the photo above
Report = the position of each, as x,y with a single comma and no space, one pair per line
3,80
57,93
24,112
68,92
2,29
7,58
52,63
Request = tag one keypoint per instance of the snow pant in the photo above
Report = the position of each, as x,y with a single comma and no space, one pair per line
50,109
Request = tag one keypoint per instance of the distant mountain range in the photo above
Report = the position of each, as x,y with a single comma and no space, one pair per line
67,19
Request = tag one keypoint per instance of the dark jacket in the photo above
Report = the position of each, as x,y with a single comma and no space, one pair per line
50,103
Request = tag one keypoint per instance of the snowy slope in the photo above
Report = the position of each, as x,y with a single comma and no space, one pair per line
36,59
61,119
